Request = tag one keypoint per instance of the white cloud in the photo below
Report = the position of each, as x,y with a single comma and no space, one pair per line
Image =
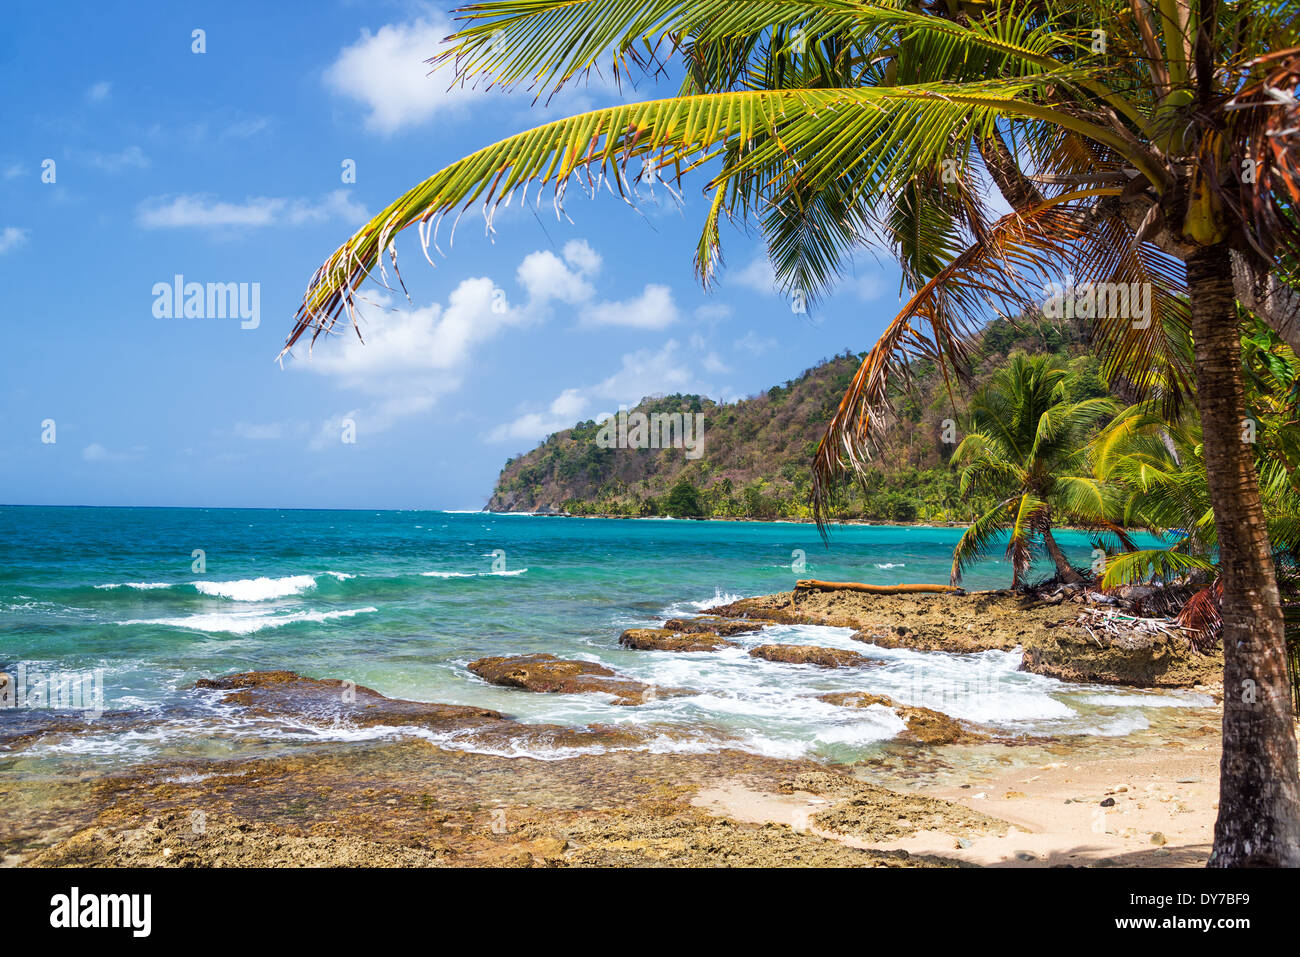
386,72
411,357
758,275
579,254
546,277
564,411
99,92
648,372
653,309
643,373
11,237
401,342
205,212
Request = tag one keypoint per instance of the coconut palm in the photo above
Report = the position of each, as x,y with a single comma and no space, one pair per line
1135,141
1028,445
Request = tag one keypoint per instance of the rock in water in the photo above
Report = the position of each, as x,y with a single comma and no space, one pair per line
924,725
812,655
666,639
549,674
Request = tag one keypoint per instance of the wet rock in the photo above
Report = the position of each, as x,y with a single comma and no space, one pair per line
552,675
716,625
811,655
856,699
331,701
924,725
666,639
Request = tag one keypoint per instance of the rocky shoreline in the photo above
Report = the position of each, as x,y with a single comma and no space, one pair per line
417,801
1054,634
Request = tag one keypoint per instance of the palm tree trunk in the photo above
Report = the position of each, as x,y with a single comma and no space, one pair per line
1259,793
1063,567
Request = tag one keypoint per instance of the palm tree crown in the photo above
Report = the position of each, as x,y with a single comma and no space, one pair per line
1028,444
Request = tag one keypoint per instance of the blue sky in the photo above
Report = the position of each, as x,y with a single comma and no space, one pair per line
227,167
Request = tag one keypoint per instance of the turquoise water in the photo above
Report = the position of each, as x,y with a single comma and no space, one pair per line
402,601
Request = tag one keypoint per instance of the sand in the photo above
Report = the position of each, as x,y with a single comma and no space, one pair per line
1164,805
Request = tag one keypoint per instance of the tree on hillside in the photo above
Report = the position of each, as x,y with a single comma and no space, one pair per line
1149,143
683,500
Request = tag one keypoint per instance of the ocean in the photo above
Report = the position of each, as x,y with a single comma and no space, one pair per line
150,600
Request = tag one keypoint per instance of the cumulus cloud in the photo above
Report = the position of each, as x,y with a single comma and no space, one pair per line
401,342
411,357
192,211
653,309
642,373
758,275
546,277
386,72
564,411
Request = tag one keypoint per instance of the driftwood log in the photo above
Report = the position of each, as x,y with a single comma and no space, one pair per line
813,584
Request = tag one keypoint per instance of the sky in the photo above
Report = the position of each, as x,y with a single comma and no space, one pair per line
130,159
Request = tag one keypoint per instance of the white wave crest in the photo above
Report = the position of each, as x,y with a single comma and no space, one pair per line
246,622
257,589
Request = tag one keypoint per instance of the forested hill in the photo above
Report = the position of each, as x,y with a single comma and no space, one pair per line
757,452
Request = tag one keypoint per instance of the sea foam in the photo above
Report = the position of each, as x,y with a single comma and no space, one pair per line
257,589
246,622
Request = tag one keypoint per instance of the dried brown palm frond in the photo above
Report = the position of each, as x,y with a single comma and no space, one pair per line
1264,171
1202,617
1005,271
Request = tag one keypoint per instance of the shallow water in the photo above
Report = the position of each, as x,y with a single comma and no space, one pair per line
402,601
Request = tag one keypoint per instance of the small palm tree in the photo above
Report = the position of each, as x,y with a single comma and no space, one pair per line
1149,143
1028,445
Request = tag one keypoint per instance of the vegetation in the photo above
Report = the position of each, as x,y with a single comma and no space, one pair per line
757,452
1027,437
1150,143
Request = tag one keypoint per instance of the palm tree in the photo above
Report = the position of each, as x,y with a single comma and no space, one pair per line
1028,445
1148,142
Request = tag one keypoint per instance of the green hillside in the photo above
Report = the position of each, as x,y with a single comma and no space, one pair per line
757,452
